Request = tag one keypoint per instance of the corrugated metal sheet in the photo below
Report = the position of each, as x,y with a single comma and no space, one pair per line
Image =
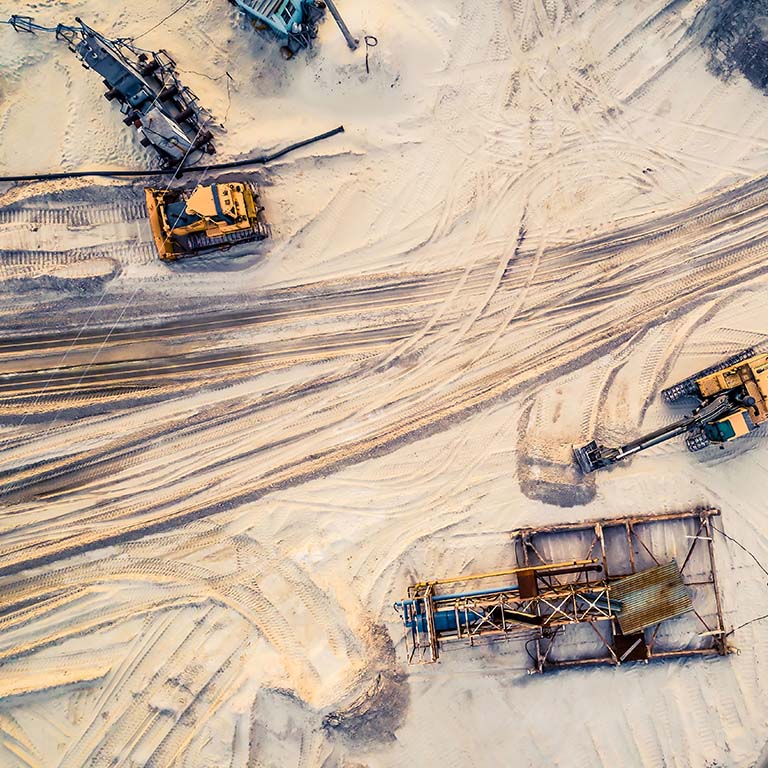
650,596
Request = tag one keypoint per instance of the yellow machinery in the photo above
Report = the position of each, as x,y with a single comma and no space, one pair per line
205,218
732,401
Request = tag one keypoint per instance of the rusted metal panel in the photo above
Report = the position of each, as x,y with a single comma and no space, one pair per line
527,584
650,597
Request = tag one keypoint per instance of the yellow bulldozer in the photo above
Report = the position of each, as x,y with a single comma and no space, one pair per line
732,401
205,218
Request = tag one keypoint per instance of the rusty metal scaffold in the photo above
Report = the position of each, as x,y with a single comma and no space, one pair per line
542,595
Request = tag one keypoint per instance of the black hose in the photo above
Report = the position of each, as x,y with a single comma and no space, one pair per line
261,160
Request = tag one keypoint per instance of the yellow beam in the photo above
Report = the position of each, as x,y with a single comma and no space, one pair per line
539,568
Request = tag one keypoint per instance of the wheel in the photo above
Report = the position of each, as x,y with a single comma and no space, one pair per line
185,114
204,139
148,69
286,52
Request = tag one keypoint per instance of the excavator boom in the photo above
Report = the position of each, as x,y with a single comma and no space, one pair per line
593,456
733,401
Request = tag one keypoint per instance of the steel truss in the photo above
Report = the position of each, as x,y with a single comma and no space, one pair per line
548,596
697,533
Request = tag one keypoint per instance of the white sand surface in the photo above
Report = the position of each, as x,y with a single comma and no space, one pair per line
541,213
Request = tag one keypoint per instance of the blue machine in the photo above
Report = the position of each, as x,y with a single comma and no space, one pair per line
429,618
446,619
294,22
165,114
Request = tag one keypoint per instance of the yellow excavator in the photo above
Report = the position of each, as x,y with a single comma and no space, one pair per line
205,218
732,401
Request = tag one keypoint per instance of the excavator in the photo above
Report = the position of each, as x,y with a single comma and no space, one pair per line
208,217
732,399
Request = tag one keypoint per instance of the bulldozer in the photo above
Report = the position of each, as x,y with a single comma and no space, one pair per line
205,218
732,401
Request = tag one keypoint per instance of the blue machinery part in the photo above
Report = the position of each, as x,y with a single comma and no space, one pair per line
539,601
294,22
414,611
456,620
144,83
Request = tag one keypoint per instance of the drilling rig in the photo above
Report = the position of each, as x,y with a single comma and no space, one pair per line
732,401
165,114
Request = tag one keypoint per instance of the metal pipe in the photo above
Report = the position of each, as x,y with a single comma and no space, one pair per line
543,568
609,660
352,42
262,160
457,596
590,524
720,642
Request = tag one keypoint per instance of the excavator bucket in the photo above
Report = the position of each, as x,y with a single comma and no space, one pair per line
589,457
166,248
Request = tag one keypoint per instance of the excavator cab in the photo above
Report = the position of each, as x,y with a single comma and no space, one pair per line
731,427
292,22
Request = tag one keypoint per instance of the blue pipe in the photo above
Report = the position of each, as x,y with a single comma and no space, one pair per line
439,598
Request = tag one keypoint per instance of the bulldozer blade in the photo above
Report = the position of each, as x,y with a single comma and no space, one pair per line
163,242
689,388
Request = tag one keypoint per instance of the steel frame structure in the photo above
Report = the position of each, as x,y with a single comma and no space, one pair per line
549,595
617,648
509,611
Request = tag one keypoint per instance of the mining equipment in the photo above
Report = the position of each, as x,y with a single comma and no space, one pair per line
623,582
292,22
732,401
205,218
165,113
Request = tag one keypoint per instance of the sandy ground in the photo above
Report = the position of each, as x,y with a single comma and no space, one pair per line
221,474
